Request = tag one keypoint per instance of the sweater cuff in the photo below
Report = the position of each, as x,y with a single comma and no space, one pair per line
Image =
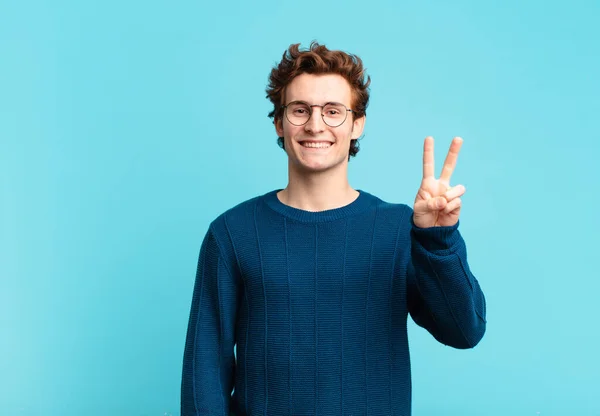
436,238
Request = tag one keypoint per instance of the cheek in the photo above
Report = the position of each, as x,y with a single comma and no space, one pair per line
345,134
292,131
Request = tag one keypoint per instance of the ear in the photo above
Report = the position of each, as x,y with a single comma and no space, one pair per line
279,126
358,126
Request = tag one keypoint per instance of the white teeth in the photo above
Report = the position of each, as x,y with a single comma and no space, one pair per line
317,145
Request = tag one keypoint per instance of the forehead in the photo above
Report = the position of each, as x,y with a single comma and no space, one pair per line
319,89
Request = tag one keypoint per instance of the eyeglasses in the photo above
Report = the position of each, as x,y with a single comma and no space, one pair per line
298,113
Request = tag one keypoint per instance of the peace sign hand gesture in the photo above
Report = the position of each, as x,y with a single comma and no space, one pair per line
437,203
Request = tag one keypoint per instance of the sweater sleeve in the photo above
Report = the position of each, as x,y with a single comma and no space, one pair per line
444,297
208,359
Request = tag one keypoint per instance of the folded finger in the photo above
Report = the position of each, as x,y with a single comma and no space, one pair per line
453,205
454,192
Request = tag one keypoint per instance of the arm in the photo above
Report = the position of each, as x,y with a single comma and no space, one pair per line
208,360
444,297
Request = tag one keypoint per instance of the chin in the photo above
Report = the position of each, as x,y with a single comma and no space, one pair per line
317,169
320,167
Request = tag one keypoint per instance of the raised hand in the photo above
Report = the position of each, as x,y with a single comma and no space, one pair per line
437,203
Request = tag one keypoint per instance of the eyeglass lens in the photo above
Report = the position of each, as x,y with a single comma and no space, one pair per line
334,114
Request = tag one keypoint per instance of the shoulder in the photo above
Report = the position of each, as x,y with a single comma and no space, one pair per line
238,219
232,226
393,209
396,215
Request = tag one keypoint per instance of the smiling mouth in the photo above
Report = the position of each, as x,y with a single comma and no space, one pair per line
316,145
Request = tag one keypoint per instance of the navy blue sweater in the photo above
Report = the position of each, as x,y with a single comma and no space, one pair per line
316,305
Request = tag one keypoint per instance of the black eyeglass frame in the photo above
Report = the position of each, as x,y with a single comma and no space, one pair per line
285,107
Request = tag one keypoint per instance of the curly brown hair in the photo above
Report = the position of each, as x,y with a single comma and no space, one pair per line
317,59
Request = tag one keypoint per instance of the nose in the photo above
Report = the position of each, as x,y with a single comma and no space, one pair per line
315,124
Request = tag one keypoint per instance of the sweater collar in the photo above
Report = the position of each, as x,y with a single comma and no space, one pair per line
360,204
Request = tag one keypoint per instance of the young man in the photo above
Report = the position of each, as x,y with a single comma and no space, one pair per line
313,283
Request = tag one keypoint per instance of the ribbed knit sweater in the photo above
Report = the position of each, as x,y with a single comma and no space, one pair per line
316,306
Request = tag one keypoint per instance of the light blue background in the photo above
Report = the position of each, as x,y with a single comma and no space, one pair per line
126,127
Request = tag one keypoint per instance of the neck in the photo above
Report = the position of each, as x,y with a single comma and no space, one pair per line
318,191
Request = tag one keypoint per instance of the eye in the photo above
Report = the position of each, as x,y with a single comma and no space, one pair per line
333,110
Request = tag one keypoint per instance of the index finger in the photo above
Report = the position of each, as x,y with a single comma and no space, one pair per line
450,162
428,168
